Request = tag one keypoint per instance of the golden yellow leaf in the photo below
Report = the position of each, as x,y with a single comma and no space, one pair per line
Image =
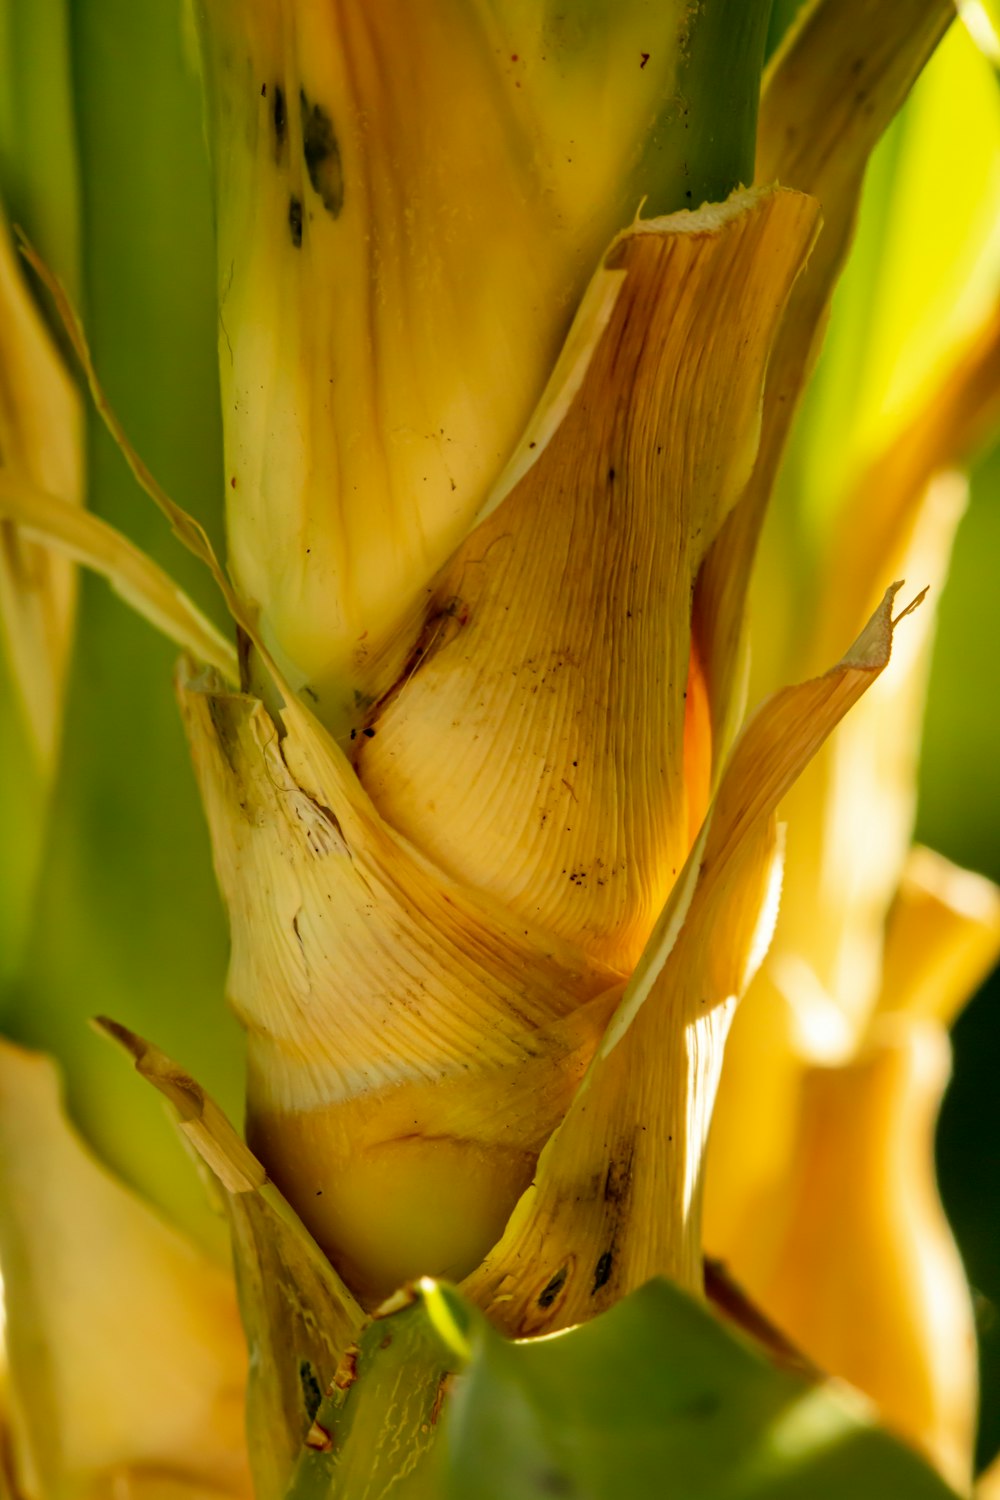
499,753
405,1035
866,1275
351,146
942,938
617,1192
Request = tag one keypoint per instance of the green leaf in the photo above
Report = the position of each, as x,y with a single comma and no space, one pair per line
127,918
656,1398
39,190
924,267
38,144
783,13
375,1431
297,1315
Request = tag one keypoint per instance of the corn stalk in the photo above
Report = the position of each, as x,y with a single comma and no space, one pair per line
511,332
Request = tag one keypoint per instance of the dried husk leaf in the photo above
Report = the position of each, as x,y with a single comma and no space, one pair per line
504,753
410,1045
353,148
616,1197
851,817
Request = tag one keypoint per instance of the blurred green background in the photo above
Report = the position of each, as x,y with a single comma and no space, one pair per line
125,918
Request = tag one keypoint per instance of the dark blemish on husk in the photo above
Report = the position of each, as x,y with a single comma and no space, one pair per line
312,1393
244,652
551,1290
602,1271
279,116
618,1177
322,155
295,220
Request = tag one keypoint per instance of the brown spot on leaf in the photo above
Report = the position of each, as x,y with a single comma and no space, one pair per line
319,1439
322,155
346,1372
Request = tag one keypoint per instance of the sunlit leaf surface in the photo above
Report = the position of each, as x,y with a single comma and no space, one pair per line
656,1398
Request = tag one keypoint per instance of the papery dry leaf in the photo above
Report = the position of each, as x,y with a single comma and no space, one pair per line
617,1193
406,1036
549,742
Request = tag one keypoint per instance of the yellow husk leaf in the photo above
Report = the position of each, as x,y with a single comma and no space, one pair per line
41,443
413,1041
850,817
829,978
866,1274
988,1487
127,1363
848,1250
617,1192
860,1265
942,938
351,147
393,1017
499,753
